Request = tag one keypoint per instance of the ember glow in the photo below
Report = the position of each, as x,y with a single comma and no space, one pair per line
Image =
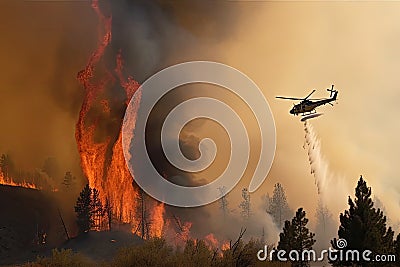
226,245
102,159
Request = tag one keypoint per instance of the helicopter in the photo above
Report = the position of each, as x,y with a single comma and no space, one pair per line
307,106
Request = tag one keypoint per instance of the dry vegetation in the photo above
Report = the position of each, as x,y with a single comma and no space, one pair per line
156,252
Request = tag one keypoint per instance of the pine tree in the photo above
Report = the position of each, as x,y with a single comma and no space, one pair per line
69,181
364,227
223,202
323,215
245,205
296,236
83,208
278,206
325,227
397,250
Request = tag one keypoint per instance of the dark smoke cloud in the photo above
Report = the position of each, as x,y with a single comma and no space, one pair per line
155,34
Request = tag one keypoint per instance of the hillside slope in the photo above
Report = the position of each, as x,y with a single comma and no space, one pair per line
29,223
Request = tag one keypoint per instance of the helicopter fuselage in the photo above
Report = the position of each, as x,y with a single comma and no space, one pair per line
309,105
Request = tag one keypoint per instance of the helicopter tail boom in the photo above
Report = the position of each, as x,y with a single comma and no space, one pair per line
335,93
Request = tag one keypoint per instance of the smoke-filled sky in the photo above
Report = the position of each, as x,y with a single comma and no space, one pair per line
287,48
43,46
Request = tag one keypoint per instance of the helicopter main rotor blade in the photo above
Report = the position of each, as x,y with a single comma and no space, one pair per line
289,98
309,94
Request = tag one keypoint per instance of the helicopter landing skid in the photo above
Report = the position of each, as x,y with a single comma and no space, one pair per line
311,116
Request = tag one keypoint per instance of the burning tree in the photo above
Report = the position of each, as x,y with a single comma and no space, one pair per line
108,211
10,176
96,210
143,228
182,231
101,152
102,159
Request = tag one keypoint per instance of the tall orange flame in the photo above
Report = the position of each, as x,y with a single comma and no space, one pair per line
157,219
103,161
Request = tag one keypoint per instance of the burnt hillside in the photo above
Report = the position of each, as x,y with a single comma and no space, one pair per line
29,223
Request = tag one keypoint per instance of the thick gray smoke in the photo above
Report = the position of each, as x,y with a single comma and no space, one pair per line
152,35
155,34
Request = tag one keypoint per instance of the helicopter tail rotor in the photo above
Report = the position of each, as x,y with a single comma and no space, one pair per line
331,90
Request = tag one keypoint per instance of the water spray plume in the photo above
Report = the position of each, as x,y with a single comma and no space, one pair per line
332,189
319,166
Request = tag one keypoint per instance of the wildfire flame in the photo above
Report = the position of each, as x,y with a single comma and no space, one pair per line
158,220
211,241
103,161
226,245
9,181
